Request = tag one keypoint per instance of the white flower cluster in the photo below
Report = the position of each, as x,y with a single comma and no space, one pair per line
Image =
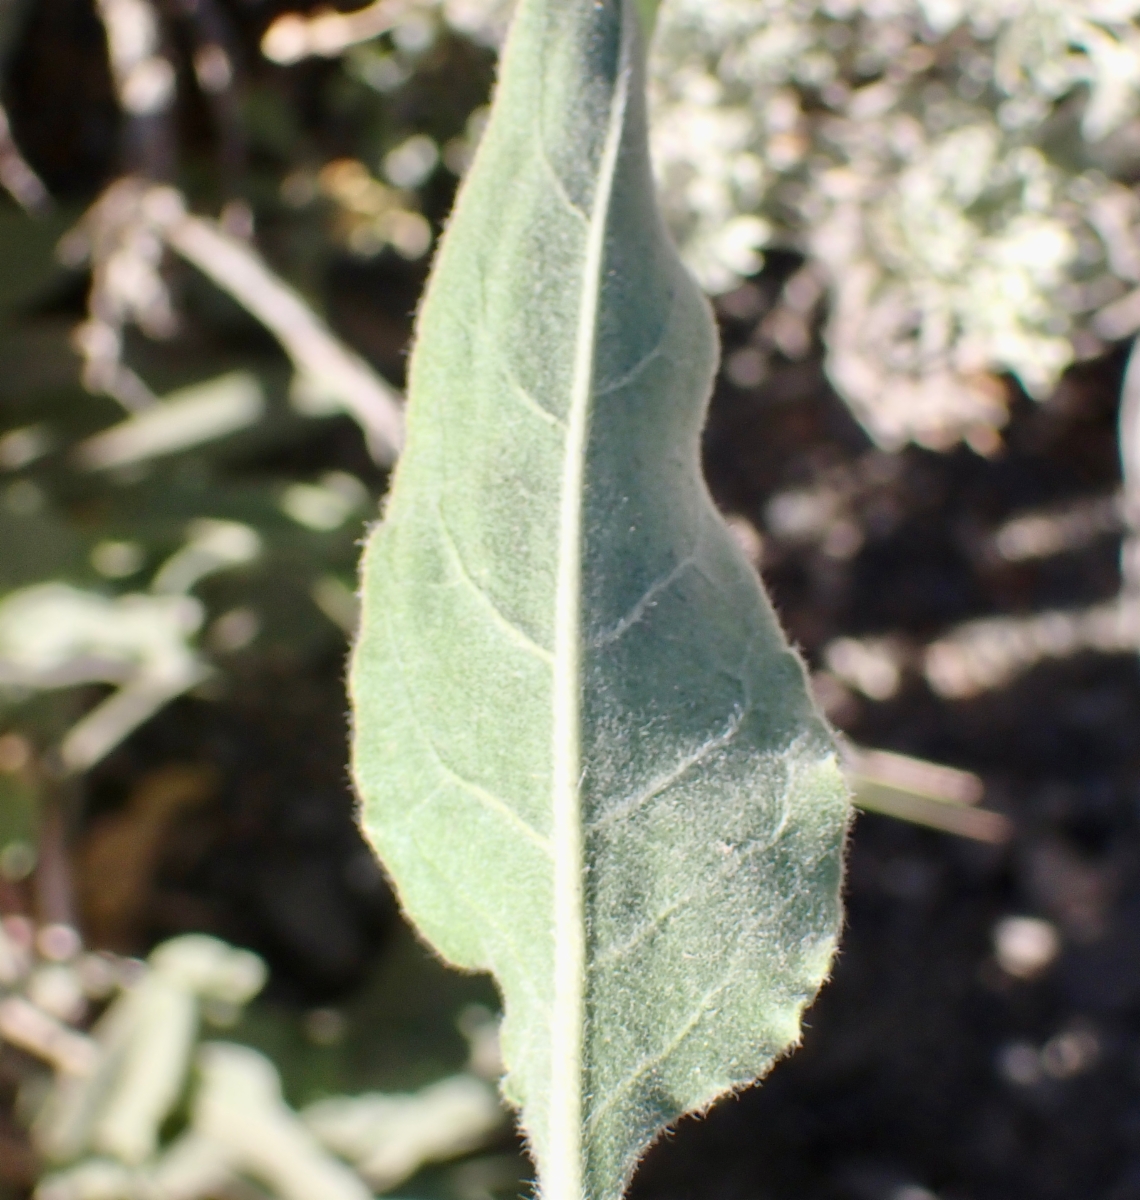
948,167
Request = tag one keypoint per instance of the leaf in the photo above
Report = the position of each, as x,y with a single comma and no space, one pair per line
647,10
587,756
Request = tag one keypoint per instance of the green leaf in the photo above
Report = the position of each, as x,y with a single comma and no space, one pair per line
647,10
588,758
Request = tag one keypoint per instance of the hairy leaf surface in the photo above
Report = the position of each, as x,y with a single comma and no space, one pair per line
587,756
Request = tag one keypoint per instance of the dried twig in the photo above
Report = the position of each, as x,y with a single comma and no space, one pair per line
145,83
123,235
16,176
923,793
323,362
293,37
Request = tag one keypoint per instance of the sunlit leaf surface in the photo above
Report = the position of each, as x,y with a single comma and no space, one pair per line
588,756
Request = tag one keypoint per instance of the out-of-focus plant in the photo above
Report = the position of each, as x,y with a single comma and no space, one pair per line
186,568
121,604
955,176
140,1107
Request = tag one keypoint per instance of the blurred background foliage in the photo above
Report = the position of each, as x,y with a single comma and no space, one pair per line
217,218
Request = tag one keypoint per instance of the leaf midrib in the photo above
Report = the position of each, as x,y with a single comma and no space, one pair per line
563,1178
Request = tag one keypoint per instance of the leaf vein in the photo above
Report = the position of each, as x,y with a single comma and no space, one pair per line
650,1064
617,951
505,623
568,1017
523,394
506,939
556,178
488,799
625,380
631,804
646,602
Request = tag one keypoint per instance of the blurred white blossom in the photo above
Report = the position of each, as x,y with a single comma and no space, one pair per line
943,163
